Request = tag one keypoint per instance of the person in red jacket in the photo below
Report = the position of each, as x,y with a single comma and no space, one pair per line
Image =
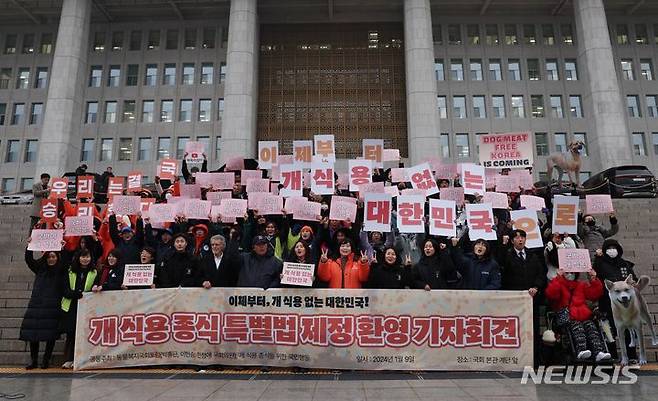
566,291
344,272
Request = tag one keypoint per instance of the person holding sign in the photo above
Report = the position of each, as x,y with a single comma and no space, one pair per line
81,278
523,270
609,264
189,175
569,295
594,234
127,241
345,271
479,270
435,269
40,191
558,241
41,319
391,273
301,253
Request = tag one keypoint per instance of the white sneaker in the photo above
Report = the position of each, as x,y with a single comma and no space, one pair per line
602,356
67,365
584,354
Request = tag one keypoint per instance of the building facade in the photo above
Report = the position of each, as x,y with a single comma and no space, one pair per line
108,84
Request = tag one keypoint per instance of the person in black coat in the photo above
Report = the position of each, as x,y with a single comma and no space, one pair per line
41,320
81,277
523,270
434,270
301,253
257,268
219,266
609,264
390,273
479,269
182,268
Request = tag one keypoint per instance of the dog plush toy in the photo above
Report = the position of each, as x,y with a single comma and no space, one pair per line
629,310
569,162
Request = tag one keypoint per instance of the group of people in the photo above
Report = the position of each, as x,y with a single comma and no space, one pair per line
250,253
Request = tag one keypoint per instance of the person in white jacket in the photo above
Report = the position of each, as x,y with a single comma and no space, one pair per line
557,241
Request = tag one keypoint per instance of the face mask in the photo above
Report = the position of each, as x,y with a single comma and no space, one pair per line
612,252
324,206
591,223
570,276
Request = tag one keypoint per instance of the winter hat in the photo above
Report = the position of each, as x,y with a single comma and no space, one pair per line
307,228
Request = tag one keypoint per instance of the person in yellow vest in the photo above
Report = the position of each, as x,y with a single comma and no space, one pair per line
82,276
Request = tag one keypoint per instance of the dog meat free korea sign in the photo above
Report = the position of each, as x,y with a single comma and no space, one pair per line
311,328
511,150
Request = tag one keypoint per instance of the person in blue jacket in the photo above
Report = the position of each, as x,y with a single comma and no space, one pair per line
479,269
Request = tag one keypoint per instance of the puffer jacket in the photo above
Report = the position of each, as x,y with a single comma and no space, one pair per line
478,273
259,271
594,236
181,269
574,294
344,274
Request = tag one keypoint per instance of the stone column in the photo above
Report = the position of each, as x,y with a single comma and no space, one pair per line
59,146
240,88
423,128
610,138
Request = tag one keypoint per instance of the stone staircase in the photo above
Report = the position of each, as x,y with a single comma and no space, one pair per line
638,235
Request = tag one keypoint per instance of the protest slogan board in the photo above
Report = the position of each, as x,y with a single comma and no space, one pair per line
195,151
565,214
136,275
526,220
77,226
359,329
297,274
573,259
46,240
598,204
513,150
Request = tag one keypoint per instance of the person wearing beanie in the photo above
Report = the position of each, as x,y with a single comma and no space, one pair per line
594,234
128,241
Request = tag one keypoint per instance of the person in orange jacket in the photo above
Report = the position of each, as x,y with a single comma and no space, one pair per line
344,272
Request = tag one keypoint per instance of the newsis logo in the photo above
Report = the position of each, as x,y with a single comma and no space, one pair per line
579,375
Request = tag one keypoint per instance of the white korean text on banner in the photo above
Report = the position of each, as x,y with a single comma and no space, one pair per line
512,150
358,329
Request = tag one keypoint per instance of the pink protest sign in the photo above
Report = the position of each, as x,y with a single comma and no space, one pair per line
247,175
342,211
372,188
413,192
197,209
454,194
598,204
297,274
216,180
271,204
532,202
162,213
574,260
215,198
399,175
507,183
167,169
255,199
195,151
524,177
309,211
234,164
46,240
190,191
421,177
446,171
391,155
338,198
77,226
293,202
343,180
496,199
126,205
258,185
233,208
392,190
